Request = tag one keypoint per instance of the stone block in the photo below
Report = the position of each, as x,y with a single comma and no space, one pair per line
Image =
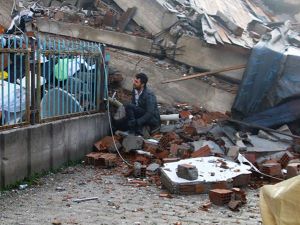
233,152
234,205
132,142
293,169
187,171
153,168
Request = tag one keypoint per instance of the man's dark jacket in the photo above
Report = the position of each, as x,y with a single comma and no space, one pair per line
147,101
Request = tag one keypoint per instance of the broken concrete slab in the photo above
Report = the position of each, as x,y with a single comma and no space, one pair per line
206,181
150,14
195,52
196,92
263,145
121,40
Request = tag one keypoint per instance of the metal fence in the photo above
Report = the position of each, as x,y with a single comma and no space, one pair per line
48,78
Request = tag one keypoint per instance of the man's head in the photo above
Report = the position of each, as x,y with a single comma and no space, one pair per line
140,81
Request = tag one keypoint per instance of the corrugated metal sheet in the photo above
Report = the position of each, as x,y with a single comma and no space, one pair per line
240,12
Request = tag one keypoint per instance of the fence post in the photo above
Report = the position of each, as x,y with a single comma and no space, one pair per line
32,82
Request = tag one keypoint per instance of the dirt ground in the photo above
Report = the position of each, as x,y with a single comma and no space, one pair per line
51,201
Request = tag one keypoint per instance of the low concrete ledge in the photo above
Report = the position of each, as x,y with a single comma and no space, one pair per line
38,148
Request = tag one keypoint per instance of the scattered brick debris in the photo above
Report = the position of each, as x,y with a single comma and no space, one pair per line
220,196
206,206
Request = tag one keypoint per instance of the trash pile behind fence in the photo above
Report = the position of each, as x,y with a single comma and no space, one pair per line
46,78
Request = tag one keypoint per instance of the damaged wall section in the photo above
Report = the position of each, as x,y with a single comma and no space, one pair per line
27,151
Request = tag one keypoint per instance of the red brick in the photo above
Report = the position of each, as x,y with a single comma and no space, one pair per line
184,114
105,160
90,158
105,143
186,189
220,196
163,154
272,169
164,142
250,156
199,188
142,159
169,160
284,160
211,117
190,130
202,152
152,148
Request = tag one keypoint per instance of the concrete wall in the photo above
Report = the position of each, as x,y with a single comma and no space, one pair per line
34,149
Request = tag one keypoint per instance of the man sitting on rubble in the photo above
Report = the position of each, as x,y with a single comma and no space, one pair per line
142,113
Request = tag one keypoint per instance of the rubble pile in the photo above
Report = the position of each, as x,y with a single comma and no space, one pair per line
197,152
96,14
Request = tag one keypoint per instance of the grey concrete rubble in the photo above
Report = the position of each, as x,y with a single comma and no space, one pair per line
153,168
187,171
132,142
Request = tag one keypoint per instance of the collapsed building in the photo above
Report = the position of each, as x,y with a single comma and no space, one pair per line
238,41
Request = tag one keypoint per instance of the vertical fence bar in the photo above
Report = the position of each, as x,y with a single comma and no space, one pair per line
64,76
38,81
44,72
21,79
49,110
67,48
54,80
15,78
2,81
59,78
8,84
27,74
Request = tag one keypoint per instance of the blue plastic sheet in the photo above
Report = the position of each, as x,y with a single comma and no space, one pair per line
272,78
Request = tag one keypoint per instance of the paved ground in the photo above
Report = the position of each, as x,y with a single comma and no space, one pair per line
119,202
